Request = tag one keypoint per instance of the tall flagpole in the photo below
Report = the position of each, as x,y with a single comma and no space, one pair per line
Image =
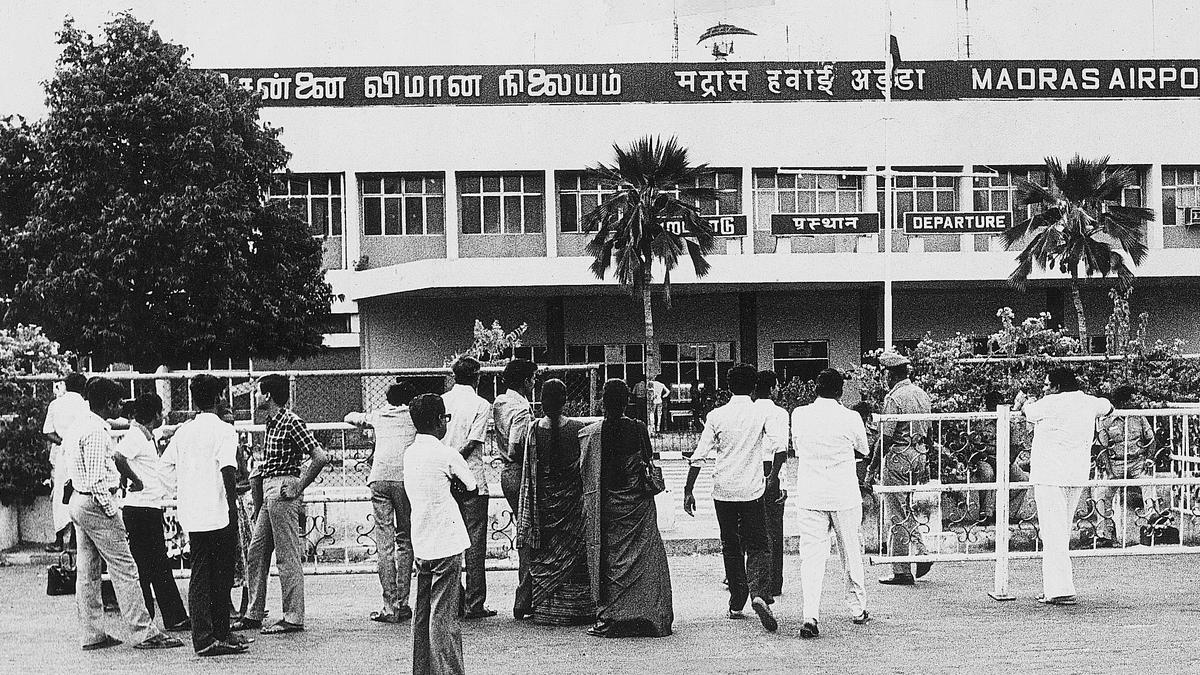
888,196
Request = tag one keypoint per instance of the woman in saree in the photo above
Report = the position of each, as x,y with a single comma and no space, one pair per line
551,516
628,563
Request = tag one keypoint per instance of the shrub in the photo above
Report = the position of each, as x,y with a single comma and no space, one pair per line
24,459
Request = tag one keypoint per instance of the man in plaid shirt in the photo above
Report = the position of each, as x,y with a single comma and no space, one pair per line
288,444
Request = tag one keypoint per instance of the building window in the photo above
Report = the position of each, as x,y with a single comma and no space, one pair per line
999,193
776,192
727,183
921,194
316,198
407,203
624,362
578,194
501,203
1181,195
804,359
685,363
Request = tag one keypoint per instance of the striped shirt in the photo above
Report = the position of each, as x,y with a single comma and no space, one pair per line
93,470
288,444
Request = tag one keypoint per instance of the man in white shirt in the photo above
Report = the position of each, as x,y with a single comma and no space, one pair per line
394,432
512,415
1064,424
62,413
774,497
438,536
202,457
736,438
828,438
469,413
143,513
657,393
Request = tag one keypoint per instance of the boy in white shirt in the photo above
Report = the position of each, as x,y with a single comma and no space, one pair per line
202,457
438,537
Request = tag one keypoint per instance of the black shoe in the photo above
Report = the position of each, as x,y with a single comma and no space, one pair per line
186,624
763,611
221,649
898,580
809,629
484,613
923,569
236,639
861,618
246,624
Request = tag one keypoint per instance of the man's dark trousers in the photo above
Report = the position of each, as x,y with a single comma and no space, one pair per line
212,576
475,517
148,545
746,550
510,484
774,514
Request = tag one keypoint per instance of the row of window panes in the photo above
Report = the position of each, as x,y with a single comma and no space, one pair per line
513,203
1181,191
802,360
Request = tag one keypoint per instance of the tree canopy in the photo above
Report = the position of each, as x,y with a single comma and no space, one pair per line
148,238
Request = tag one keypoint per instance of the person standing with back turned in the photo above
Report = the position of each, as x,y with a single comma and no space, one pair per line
513,417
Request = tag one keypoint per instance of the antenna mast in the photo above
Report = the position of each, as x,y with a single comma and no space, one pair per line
675,42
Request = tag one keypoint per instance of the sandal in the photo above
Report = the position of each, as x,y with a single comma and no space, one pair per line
246,624
108,641
282,627
385,617
159,642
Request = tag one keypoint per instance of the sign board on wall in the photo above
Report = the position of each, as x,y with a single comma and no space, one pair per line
721,226
712,82
982,222
807,224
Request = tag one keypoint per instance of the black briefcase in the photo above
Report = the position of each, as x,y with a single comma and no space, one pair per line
60,577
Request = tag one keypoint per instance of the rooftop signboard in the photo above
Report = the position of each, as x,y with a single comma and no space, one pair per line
759,81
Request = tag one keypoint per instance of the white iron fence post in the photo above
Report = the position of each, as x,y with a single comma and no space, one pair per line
1003,461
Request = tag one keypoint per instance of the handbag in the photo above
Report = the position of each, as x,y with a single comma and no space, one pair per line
60,577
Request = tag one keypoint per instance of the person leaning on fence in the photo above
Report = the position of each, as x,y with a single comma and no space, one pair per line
774,495
100,533
202,459
394,432
828,438
1126,453
466,433
439,537
288,442
143,513
62,413
905,450
982,446
513,417
741,443
1064,424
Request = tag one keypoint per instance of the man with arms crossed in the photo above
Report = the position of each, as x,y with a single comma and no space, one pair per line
1064,424
287,443
736,438
394,432
465,434
439,538
828,438
202,457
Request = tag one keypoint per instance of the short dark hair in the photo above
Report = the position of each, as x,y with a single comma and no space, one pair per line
206,390
75,382
830,383
616,397
553,396
466,370
742,378
765,381
517,371
426,411
992,400
401,393
101,391
146,407
1122,395
276,386
1063,378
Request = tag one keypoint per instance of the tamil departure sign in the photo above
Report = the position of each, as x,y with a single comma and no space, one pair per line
808,224
981,222
721,226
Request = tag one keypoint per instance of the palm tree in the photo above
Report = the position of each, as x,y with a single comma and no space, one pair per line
1080,221
652,181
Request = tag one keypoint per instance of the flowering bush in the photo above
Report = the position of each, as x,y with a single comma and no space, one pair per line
24,460
492,346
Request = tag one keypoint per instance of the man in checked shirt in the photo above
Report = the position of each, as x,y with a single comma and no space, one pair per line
98,525
287,445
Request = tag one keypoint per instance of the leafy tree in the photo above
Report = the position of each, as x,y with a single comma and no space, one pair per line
652,181
21,164
150,240
1080,221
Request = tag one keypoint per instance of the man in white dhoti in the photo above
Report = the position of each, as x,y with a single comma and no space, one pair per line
827,438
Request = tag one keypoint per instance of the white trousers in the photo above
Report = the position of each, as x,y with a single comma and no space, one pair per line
1056,510
816,528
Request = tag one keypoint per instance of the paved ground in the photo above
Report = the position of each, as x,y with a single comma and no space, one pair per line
1135,615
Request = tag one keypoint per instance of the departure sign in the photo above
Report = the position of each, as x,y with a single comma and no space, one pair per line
796,224
721,226
978,222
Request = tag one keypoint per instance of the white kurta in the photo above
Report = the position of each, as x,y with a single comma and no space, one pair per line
62,413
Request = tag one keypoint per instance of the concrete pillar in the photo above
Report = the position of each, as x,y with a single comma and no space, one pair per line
748,328
747,243
966,202
871,204
549,213
452,225
556,340
351,222
1153,200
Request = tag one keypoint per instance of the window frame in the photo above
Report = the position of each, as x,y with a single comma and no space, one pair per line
762,219
503,194
402,196
1173,214
335,201
779,364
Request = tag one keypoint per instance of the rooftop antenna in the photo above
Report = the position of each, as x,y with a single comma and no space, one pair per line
722,48
675,24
